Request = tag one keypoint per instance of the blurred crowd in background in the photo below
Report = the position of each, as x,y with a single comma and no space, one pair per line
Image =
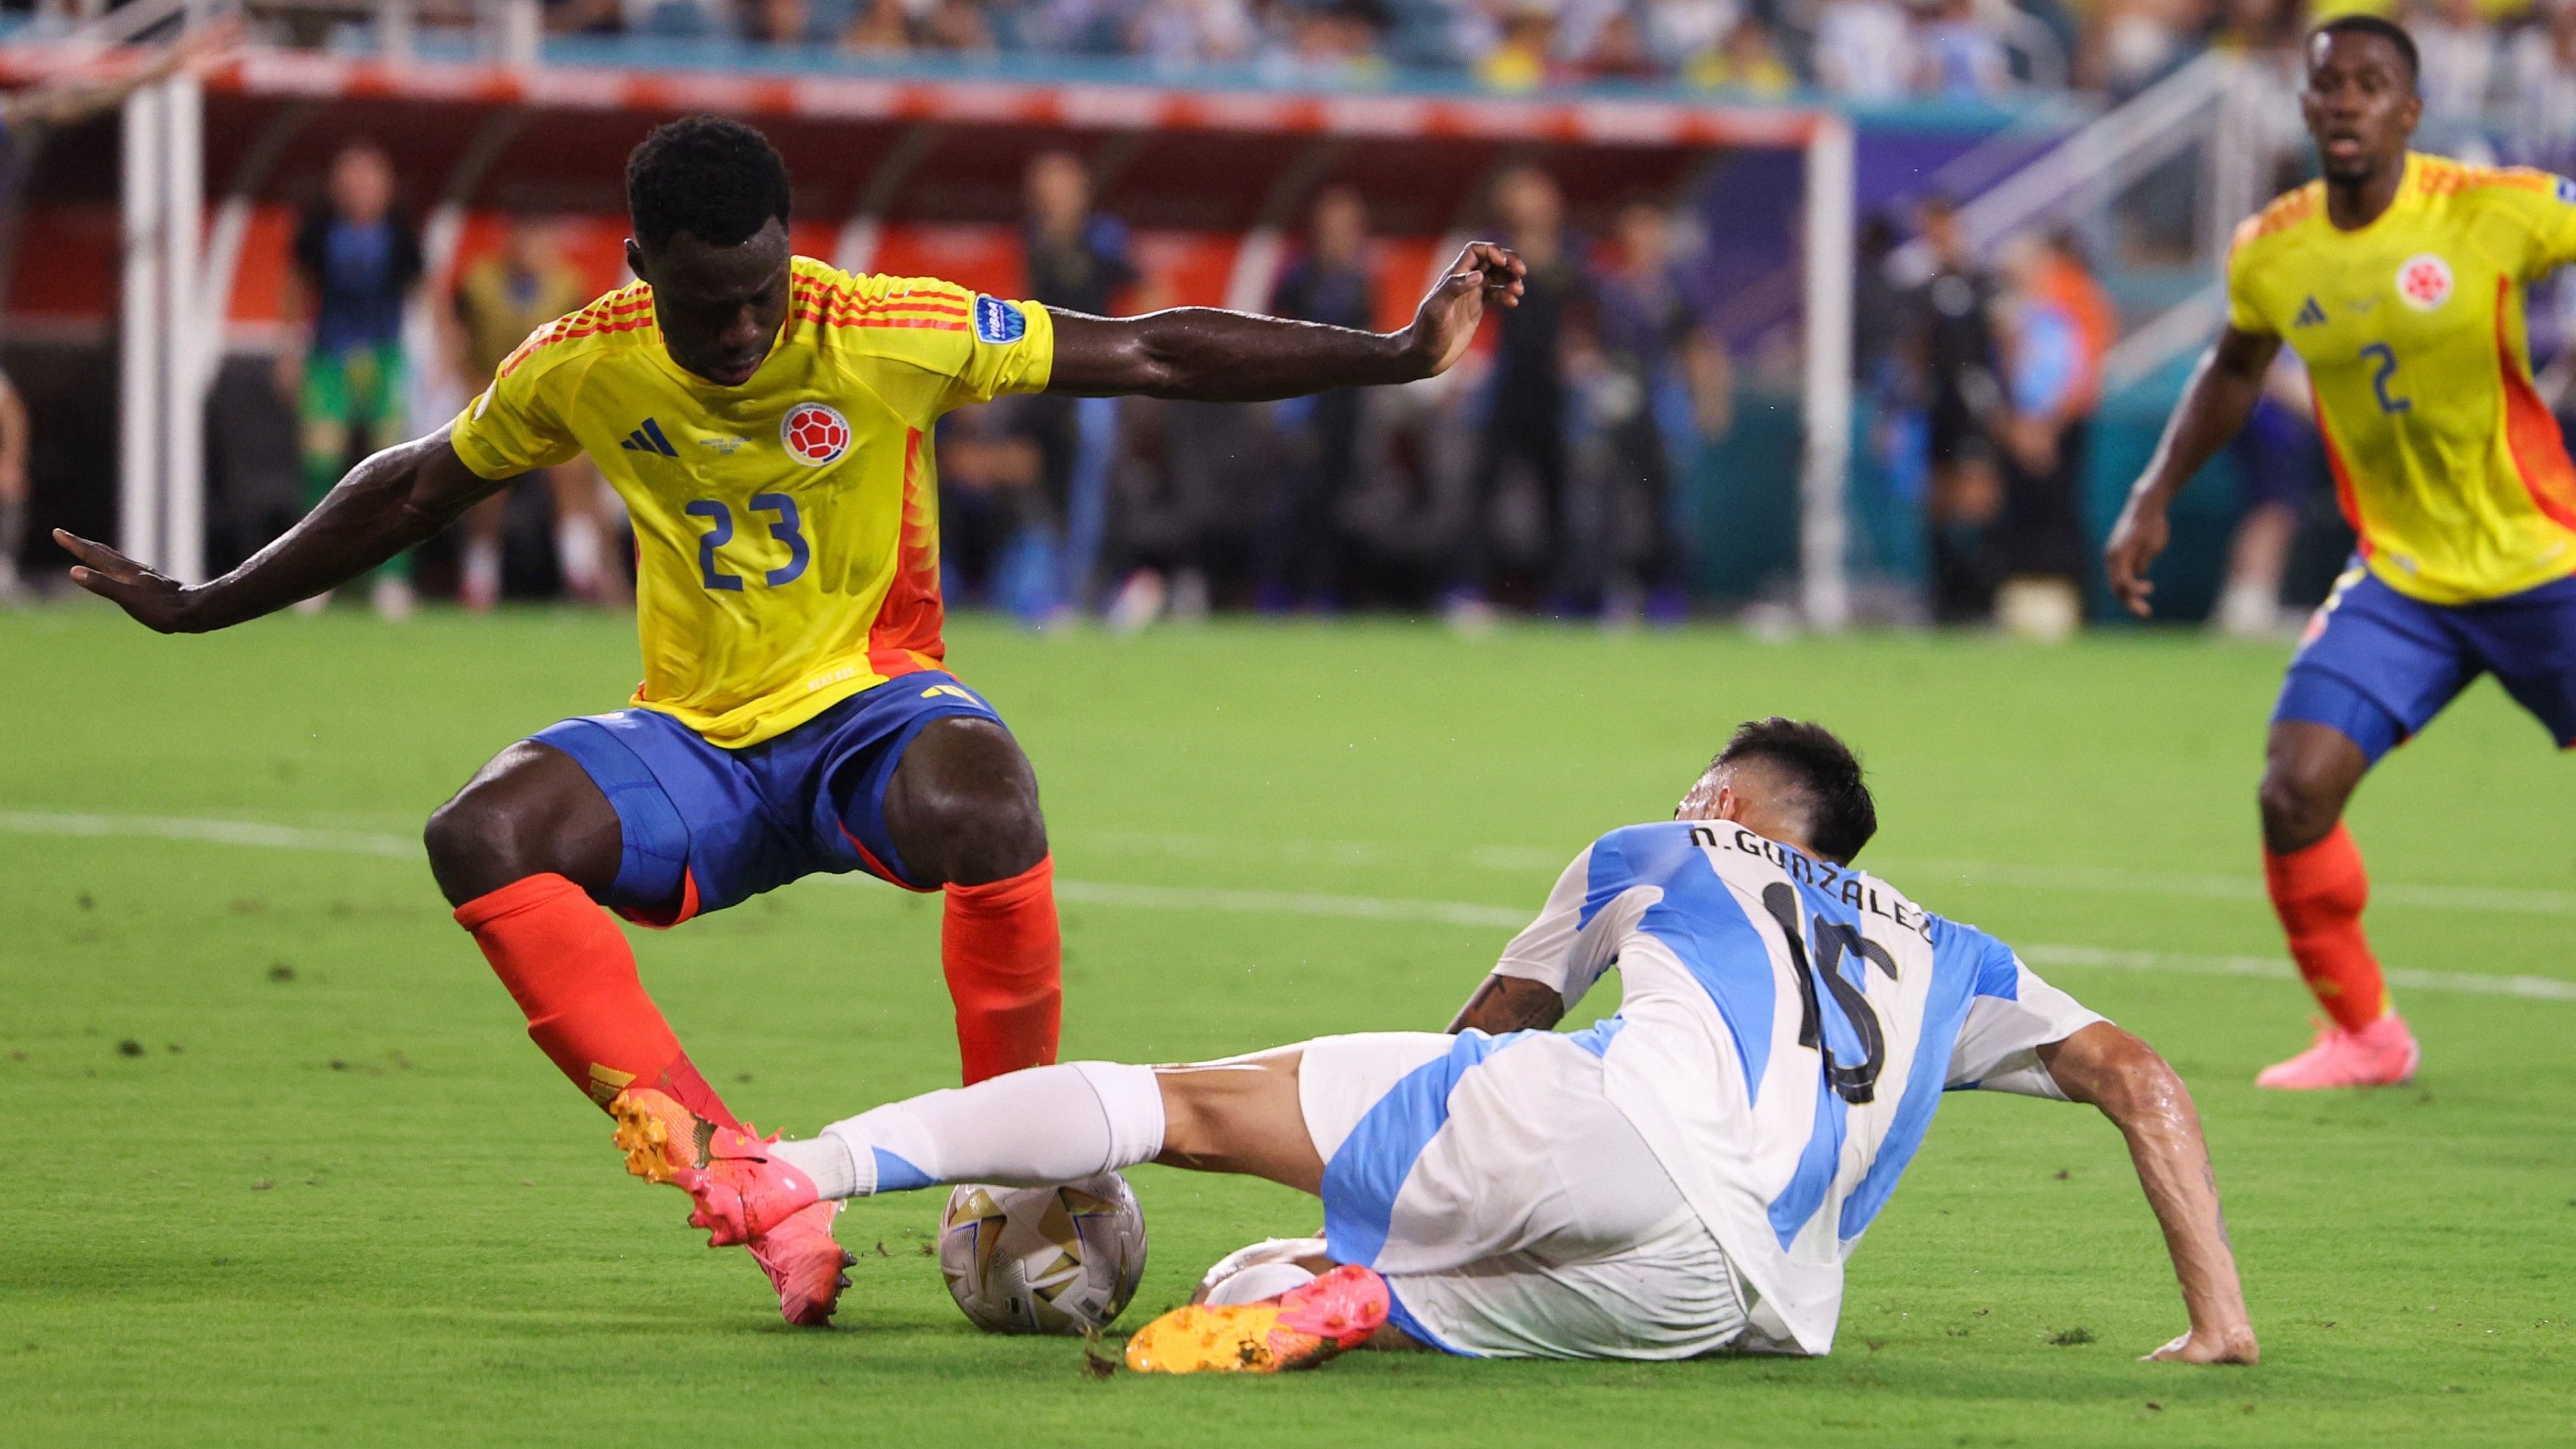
2512,59
1547,474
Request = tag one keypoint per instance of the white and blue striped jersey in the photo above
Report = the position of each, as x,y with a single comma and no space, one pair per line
1786,1029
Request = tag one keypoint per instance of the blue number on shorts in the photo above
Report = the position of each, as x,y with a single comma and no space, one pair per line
714,538
786,530
2387,356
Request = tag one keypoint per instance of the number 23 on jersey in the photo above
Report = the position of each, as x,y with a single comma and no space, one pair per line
785,525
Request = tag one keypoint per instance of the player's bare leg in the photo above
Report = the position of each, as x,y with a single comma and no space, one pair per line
1062,1124
521,852
2318,887
962,810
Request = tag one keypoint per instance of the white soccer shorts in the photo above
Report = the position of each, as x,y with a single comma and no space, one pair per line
1512,1210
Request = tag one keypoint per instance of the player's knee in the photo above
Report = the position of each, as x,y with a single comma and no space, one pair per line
482,840
965,809
2299,803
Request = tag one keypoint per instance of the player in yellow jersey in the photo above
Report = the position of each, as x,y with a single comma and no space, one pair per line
768,421
2398,279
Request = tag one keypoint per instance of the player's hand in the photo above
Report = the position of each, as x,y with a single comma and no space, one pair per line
2235,1345
156,600
1484,275
2136,539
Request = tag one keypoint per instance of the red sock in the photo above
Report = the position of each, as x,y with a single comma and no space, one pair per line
2319,891
570,969
1004,960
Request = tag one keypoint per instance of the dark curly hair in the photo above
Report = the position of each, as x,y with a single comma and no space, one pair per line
2388,30
716,179
1841,817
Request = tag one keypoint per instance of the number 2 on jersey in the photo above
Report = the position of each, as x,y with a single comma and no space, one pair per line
2387,356
789,529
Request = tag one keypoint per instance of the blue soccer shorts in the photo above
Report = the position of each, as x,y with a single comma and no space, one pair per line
705,827
2377,665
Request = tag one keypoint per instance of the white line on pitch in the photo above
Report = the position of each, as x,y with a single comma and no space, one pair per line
1245,902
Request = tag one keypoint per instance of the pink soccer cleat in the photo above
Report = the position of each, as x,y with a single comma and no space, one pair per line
743,1195
743,1191
804,1264
2382,1054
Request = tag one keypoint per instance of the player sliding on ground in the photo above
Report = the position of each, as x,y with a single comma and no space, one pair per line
2398,279
768,421
1687,1176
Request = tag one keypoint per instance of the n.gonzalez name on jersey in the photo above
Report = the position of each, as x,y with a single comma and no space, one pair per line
787,529
2446,461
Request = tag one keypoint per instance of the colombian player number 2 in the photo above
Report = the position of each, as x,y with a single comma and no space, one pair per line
2387,357
789,529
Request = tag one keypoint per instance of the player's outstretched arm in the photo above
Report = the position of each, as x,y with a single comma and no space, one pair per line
2214,406
1207,354
2142,1096
400,497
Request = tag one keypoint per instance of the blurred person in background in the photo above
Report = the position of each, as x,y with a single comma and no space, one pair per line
956,27
990,468
878,27
1671,390
1077,260
1865,50
2461,51
1747,59
2541,61
1524,430
499,302
13,489
2130,44
29,116
2280,464
778,22
679,19
1298,554
356,260
1182,33
1334,42
1683,33
1522,60
2057,334
1617,51
1950,337
1958,55
2541,65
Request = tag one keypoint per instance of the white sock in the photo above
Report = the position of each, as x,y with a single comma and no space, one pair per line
1040,1126
826,1159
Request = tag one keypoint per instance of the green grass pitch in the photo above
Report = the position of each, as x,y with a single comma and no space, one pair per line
284,1170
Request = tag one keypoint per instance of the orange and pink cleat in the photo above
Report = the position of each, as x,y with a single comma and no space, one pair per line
742,1196
1298,1329
2382,1054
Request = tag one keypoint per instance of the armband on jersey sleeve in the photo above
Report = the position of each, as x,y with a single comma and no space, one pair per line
517,422
1010,347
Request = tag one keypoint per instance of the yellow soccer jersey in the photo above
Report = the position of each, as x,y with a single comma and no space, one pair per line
787,529
2447,463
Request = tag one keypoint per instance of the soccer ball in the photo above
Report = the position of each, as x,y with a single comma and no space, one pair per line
1043,1259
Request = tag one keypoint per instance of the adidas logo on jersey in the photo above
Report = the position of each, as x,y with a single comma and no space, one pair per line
649,439
2310,315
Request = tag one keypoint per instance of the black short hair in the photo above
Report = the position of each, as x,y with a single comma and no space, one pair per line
716,179
2388,30
1841,816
